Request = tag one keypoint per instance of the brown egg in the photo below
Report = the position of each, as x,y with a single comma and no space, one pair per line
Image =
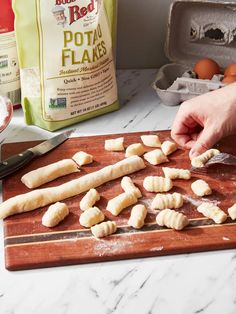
229,79
206,69
230,70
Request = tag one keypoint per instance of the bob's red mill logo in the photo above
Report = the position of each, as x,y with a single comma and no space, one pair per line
76,12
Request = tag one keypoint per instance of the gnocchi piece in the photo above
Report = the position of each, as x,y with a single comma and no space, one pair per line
175,173
104,229
82,158
169,147
55,214
90,198
232,212
162,201
172,219
120,202
213,212
115,145
135,149
200,160
157,184
201,188
137,217
155,157
128,186
91,216
151,140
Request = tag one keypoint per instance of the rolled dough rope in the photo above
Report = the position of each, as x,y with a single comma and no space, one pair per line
128,186
42,175
42,197
120,202
55,214
90,198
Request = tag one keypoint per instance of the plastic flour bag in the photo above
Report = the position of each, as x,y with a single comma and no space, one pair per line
66,59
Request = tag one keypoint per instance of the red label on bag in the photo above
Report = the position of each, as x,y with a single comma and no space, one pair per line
6,17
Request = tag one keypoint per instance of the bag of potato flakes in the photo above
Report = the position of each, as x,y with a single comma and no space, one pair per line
65,52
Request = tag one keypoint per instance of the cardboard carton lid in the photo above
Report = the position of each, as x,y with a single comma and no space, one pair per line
201,29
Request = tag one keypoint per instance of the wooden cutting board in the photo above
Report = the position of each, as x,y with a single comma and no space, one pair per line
28,244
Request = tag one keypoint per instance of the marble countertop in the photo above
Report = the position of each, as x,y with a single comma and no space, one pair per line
181,284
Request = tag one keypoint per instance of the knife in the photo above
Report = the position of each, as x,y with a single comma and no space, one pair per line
16,162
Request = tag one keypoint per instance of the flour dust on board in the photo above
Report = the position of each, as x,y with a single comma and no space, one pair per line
66,60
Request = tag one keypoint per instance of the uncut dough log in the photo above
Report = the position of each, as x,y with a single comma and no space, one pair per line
151,140
213,212
232,212
201,188
115,145
137,217
55,214
169,147
128,186
200,160
91,216
42,175
104,229
82,158
90,198
163,201
42,197
157,184
155,157
120,202
135,149
172,219
175,173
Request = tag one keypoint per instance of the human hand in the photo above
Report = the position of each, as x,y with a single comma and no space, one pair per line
204,120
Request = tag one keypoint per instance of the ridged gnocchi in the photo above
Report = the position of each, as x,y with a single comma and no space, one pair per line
151,140
82,158
157,184
90,198
172,219
120,202
55,214
91,216
175,173
155,157
200,160
169,147
201,188
135,149
137,217
104,229
128,186
232,212
213,212
115,145
162,201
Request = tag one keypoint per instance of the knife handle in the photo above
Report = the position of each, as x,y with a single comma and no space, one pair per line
15,162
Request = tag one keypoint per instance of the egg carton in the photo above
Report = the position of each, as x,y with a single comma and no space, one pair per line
196,30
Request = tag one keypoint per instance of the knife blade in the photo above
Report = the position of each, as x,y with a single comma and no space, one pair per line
16,162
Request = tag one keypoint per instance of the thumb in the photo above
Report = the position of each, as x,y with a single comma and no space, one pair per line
205,141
